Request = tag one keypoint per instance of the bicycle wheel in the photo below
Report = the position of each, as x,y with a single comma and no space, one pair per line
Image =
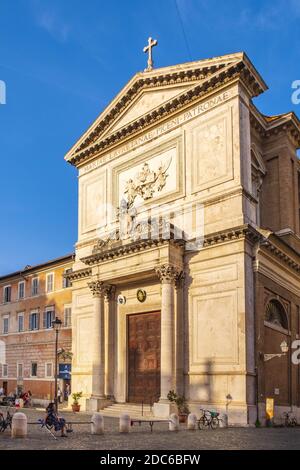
214,424
203,423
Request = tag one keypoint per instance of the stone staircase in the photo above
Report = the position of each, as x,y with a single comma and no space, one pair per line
134,410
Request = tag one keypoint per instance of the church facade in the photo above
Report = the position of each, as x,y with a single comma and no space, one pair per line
188,255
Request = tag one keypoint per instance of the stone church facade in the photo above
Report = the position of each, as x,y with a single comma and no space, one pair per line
188,253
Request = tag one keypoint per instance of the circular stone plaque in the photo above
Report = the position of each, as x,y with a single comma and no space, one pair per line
141,295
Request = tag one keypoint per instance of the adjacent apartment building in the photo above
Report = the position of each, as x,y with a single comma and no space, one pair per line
30,299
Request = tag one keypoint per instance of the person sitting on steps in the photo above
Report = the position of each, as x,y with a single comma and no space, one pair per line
52,419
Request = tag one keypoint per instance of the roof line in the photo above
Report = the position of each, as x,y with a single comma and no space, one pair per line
36,267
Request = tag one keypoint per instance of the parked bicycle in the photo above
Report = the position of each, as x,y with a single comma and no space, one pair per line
209,419
289,420
5,421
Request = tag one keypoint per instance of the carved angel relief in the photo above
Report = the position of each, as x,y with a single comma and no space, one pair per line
147,182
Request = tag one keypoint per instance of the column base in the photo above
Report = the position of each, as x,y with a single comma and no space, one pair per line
97,403
163,409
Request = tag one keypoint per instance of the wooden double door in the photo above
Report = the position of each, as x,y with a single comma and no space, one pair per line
144,357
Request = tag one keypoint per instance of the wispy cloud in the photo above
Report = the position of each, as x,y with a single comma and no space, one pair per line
50,22
268,15
49,19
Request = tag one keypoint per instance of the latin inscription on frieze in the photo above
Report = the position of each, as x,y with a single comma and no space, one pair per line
160,130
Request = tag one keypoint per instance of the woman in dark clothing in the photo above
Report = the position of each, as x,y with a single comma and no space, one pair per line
52,419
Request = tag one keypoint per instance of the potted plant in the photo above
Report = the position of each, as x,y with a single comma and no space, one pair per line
181,403
75,405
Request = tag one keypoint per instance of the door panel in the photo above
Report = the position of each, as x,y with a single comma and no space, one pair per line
144,357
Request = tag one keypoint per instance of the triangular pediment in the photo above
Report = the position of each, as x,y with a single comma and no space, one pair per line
144,103
150,94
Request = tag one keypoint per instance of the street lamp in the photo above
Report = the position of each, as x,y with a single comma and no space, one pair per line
56,324
284,349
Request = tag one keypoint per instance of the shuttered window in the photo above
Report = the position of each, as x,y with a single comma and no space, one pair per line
48,318
34,321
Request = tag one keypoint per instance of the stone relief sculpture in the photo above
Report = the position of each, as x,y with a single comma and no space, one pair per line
147,182
127,216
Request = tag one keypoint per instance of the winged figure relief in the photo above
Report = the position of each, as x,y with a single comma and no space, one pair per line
147,182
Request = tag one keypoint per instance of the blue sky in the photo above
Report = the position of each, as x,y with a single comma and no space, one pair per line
64,60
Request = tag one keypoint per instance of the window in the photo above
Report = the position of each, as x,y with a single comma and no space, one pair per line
66,281
5,325
4,370
34,321
67,316
20,322
48,317
49,369
50,282
20,371
33,369
35,286
21,290
7,294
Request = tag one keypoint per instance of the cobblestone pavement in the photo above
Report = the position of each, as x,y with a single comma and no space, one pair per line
141,438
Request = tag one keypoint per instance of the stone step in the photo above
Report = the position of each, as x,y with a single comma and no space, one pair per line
134,410
132,415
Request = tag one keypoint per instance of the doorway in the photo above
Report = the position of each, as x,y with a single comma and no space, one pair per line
144,349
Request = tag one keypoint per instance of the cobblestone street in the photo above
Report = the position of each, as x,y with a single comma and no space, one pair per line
141,438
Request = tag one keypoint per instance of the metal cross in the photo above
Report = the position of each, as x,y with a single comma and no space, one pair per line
151,43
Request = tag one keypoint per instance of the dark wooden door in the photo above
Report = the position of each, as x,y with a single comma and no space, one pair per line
144,357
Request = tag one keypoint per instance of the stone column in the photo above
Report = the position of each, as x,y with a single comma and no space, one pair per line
110,333
98,400
168,275
179,335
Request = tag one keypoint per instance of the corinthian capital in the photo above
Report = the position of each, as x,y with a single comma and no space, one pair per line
168,274
99,288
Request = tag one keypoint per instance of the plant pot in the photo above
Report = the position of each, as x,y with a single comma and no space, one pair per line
75,407
182,418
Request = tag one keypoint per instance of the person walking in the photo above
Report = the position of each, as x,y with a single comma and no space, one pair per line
59,395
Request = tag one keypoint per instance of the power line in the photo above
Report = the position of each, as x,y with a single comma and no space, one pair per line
183,30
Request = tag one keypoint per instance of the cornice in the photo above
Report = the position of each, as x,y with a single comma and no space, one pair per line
126,249
267,127
224,236
79,274
101,254
282,256
213,78
233,234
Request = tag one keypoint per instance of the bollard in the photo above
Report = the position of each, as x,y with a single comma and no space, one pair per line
223,420
124,423
97,424
19,425
174,422
192,422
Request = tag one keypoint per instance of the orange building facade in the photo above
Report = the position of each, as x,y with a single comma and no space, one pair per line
29,301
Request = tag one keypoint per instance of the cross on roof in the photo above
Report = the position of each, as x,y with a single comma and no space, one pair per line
151,43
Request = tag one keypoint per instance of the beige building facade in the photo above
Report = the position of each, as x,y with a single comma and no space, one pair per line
184,243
